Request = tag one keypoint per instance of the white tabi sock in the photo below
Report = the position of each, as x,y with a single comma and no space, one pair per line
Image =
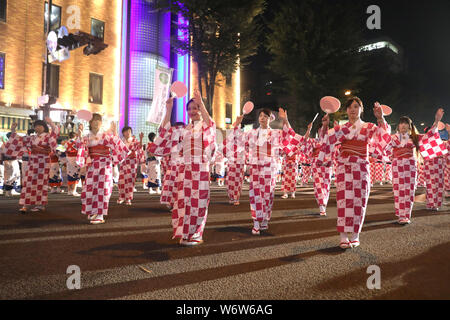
344,237
354,237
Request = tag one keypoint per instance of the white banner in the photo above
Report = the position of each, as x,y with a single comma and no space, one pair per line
163,79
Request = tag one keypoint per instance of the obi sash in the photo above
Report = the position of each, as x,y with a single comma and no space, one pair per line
99,151
356,148
40,150
403,153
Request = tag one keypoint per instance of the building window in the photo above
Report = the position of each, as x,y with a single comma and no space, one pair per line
3,10
2,70
228,113
53,88
95,88
55,18
97,28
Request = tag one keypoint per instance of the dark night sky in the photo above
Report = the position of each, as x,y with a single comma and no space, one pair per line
421,27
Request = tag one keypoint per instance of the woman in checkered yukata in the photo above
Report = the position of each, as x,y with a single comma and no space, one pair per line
321,172
34,191
105,149
353,169
264,145
196,145
404,166
234,151
128,167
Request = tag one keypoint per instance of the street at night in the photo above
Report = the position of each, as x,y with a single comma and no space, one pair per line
132,255
215,158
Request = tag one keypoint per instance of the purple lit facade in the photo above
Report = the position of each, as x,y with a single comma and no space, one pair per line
145,44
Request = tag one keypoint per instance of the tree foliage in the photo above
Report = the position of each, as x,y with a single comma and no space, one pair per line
223,35
314,47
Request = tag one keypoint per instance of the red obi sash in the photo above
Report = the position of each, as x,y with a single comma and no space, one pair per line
403,153
40,150
99,151
356,148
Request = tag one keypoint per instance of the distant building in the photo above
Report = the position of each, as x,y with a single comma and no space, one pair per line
384,51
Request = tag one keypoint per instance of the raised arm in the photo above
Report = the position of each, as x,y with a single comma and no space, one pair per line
205,115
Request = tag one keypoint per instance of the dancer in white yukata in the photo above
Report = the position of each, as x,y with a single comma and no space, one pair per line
404,164
128,168
104,149
264,145
235,154
35,189
353,172
191,201
170,164
434,162
321,171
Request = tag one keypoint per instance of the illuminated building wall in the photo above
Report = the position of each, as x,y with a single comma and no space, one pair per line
146,44
22,40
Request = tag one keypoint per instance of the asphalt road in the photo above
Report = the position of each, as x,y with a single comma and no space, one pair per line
132,255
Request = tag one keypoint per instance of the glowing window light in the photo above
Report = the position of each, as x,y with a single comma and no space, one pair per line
378,45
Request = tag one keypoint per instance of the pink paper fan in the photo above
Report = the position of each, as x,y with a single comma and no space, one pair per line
179,89
386,110
248,107
84,115
330,104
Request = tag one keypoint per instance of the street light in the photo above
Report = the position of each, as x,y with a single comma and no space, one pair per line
348,92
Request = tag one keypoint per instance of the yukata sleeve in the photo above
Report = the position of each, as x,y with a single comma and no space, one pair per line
82,151
329,141
14,146
431,145
164,142
119,150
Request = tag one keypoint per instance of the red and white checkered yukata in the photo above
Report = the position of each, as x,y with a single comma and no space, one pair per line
233,149
128,169
169,164
105,150
434,152
264,147
404,169
353,172
321,172
191,200
35,188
